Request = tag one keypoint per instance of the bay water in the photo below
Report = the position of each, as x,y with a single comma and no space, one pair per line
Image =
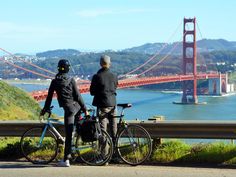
149,103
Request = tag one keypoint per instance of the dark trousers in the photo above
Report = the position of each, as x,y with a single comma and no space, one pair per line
107,115
69,118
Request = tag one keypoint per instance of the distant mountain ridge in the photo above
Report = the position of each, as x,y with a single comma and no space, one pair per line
202,46
85,64
60,53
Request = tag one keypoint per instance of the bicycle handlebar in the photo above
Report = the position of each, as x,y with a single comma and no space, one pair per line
41,115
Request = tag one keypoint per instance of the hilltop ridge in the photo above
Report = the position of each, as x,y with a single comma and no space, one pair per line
204,45
16,104
211,52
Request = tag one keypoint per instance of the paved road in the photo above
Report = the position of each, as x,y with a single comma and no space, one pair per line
25,169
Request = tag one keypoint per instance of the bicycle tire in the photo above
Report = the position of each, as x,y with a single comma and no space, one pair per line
33,151
134,144
95,153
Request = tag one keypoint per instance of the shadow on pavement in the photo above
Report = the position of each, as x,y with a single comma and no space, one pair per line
20,164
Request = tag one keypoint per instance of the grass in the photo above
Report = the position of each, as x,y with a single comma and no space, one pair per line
10,148
170,152
16,104
180,152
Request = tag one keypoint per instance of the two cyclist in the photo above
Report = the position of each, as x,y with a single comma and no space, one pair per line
132,143
103,88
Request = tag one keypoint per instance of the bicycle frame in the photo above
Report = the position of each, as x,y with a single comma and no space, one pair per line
50,124
123,125
46,140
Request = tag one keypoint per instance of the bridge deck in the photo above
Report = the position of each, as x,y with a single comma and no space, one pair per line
84,88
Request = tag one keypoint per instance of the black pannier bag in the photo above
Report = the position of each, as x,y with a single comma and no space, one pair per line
89,130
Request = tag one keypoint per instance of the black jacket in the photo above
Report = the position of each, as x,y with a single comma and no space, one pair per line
103,88
67,92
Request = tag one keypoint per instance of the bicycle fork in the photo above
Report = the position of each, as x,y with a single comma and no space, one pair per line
131,138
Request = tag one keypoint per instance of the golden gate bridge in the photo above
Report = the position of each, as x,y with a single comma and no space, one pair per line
189,77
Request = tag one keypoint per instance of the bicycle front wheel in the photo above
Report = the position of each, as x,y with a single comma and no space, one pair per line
96,152
134,144
37,148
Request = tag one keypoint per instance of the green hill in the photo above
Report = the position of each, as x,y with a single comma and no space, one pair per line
15,104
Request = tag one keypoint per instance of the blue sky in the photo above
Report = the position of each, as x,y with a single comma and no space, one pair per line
30,26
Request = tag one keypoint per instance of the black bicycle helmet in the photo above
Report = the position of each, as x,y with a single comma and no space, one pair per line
63,66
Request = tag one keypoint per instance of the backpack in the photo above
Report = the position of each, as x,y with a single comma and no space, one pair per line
90,130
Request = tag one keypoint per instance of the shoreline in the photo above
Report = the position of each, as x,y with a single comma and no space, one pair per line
30,81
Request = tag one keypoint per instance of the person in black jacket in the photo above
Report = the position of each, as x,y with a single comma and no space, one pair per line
103,88
69,99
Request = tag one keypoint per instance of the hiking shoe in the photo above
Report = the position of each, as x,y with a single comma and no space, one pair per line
98,161
63,163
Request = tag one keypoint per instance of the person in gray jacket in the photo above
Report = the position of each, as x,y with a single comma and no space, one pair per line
69,99
103,88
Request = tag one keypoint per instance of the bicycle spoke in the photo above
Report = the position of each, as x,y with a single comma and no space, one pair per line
96,152
134,145
39,149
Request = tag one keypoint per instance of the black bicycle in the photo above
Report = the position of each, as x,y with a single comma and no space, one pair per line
40,145
133,142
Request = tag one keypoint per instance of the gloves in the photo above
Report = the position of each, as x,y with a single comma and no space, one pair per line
42,112
45,110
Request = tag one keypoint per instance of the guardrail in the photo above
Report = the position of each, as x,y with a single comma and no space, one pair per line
157,129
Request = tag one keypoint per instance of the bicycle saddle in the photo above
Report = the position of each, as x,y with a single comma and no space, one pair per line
125,105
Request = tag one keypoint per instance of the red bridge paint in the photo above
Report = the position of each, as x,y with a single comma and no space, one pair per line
84,88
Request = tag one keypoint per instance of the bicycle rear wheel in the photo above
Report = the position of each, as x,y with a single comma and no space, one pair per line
134,144
95,153
38,149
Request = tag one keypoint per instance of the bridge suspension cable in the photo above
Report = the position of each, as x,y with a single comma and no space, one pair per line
50,72
31,71
205,48
28,70
160,61
157,53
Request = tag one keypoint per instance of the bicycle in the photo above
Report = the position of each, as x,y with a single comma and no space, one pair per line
40,145
133,142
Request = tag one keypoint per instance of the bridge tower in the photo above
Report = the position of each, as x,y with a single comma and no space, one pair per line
189,60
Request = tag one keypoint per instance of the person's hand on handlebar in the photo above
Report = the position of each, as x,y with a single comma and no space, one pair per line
42,112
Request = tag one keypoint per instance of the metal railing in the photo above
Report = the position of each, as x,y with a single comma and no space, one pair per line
157,129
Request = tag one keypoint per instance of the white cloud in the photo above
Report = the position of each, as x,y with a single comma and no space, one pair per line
100,12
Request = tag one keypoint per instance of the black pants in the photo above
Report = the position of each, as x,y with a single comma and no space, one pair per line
69,119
